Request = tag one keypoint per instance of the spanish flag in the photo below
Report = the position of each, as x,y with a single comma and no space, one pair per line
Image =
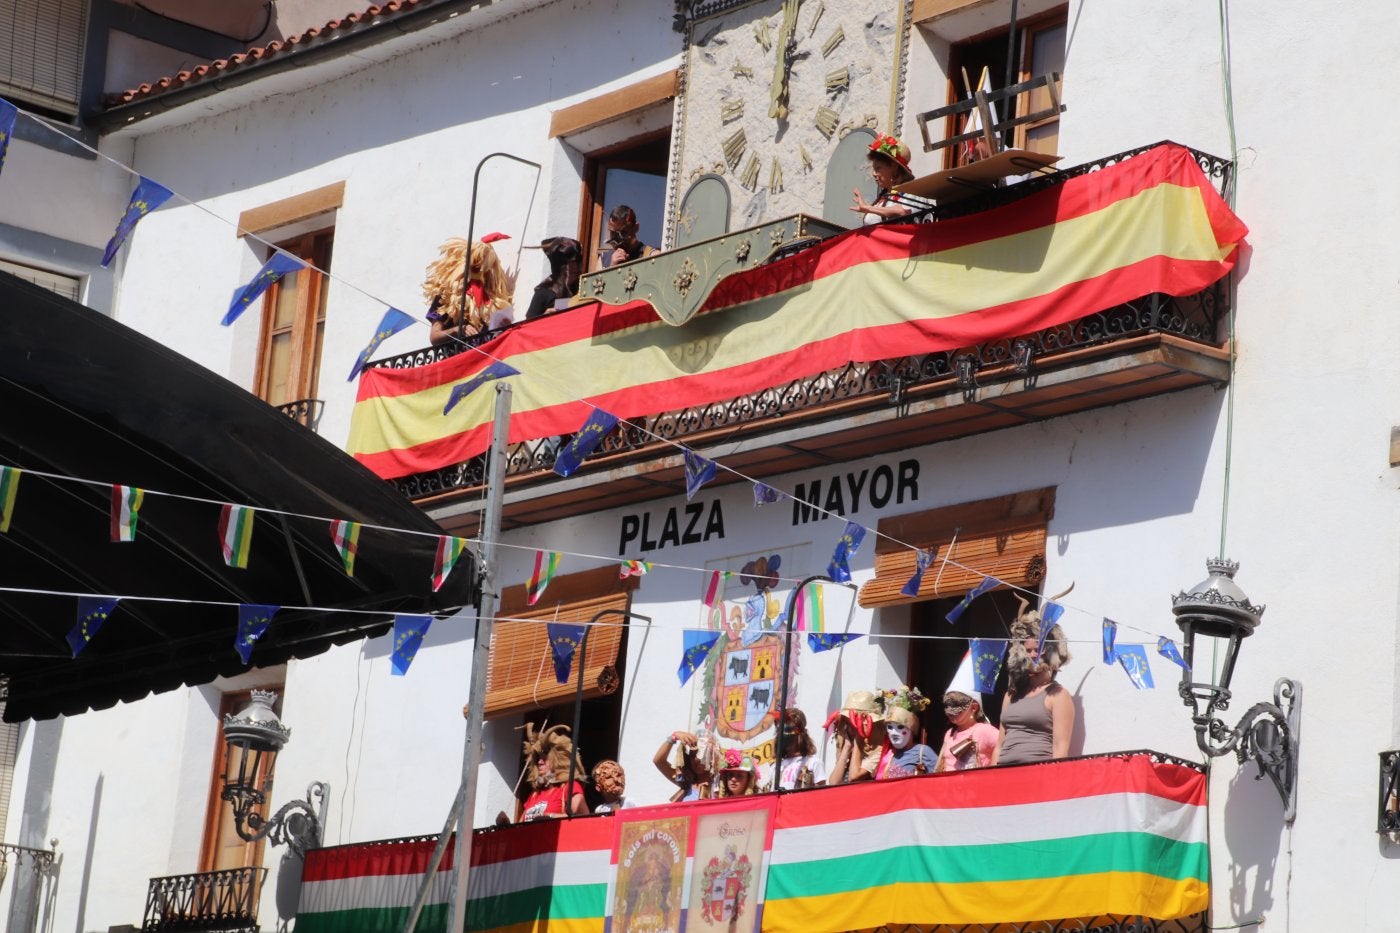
1151,223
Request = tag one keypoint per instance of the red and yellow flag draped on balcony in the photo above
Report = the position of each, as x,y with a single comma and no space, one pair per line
1151,223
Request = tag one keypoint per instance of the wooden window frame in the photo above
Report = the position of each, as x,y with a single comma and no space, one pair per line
595,169
1003,537
520,674
315,249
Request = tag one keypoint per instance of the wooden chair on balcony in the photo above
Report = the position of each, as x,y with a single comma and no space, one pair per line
999,162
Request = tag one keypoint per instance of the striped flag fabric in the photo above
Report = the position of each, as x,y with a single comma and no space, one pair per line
1151,223
236,534
126,503
9,489
449,548
546,564
370,888
810,609
345,535
549,874
633,568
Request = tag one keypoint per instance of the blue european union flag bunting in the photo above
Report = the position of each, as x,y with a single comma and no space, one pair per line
698,472
93,612
564,639
697,649
763,494
922,559
1048,617
1110,632
987,654
491,373
825,641
279,265
408,638
582,444
148,196
956,612
839,570
8,112
1167,649
1134,661
393,321
253,620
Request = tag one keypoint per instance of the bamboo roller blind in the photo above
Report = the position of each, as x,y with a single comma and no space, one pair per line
521,672
1002,537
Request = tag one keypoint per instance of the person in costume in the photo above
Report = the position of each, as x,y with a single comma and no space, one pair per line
1037,715
622,236
903,755
799,765
692,772
889,163
565,263
610,781
488,292
971,741
739,776
547,755
859,728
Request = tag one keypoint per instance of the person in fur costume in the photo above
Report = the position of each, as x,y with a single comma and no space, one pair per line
1037,715
487,295
547,754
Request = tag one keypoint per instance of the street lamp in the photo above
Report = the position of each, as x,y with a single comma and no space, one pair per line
254,738
1217,612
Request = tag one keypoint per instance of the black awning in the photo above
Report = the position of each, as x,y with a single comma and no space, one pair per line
84,396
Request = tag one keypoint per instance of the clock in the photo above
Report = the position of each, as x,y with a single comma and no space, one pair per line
770,89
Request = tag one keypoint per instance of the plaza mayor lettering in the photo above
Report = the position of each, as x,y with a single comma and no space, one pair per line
688,524
844,493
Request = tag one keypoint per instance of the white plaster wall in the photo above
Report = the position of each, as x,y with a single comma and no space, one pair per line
37,179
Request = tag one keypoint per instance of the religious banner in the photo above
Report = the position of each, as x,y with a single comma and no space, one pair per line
1151,223
729,863
647,891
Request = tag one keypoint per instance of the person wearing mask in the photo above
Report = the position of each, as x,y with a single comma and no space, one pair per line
622,237
555,292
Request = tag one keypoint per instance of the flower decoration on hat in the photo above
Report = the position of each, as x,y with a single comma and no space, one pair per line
736,760
903,704
891,148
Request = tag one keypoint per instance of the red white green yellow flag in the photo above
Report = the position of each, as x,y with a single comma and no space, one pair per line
236,534
449,548
633,568
546,563
9,488
1150,223
126,502
346,538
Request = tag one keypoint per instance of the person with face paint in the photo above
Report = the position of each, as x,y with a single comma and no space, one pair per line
902,755
971,742
799,765
1037,716
738,776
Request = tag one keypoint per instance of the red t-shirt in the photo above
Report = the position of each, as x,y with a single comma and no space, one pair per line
547,802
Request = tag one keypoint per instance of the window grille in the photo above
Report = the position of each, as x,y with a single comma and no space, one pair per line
69,286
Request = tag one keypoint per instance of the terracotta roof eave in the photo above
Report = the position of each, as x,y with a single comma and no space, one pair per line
353,33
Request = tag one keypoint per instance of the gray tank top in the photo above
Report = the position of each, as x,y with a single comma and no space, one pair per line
1029,730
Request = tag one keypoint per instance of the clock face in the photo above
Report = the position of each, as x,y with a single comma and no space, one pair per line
771,87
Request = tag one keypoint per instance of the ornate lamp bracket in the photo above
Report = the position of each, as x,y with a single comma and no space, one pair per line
297,823
1266,735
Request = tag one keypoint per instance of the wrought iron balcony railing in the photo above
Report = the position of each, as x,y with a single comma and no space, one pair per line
213,900
860,386
30,875
304,411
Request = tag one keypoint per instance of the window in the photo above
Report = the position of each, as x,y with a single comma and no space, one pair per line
1040,50
223,848
294,324
9,751
69,286
44,43
635,175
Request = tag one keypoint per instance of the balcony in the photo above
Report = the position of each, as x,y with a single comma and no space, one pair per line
1106,843
27,879
225,901
1151,344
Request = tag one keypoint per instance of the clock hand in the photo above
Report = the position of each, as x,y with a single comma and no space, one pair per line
778,99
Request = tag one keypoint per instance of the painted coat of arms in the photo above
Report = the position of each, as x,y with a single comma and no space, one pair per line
726,883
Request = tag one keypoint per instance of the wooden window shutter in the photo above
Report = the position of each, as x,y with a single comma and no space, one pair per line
1002,537
521,673
44,44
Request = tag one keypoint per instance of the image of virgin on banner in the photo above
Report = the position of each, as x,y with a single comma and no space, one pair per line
648,889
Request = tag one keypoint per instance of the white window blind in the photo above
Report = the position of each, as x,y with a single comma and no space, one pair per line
41,52
68,286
